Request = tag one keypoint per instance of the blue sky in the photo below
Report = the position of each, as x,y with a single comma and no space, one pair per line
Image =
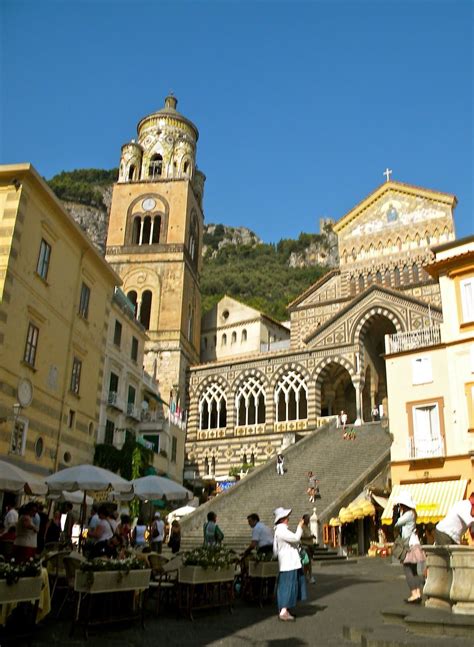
300,105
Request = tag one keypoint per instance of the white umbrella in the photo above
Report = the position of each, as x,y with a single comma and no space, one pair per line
14,479
87,477
158,487
71,497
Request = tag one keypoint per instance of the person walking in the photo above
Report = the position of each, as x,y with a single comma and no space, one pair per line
343,419
313,489
157,533
139,540
459,519
414,556
291,585
280,464
174,542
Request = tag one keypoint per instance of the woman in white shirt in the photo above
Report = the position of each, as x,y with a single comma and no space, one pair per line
406,524
291,581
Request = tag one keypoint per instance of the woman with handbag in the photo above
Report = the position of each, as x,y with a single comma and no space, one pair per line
291,585
410,552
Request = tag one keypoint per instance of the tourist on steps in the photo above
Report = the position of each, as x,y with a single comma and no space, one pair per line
291,585
280,465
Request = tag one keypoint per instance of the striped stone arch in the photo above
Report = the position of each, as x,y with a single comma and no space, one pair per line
289,366
354,335
210,379
319,371
250,372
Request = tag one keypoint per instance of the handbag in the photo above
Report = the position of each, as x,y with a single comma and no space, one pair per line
400,548
304,557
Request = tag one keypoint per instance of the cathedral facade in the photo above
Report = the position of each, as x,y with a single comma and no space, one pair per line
245,408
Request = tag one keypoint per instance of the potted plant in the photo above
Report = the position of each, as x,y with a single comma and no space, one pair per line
264,565
109,575
20,582
207,565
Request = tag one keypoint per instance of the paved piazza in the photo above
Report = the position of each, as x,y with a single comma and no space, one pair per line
347,594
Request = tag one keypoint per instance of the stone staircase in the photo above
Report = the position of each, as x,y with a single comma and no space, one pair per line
343,467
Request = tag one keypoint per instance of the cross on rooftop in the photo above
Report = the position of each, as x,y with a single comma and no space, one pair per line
388,172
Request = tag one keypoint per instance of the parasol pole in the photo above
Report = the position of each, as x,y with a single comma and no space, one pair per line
83,515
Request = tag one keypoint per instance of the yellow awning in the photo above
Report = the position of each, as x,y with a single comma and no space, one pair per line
432,500
359,508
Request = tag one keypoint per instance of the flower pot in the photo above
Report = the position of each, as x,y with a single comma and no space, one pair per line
263,569
110,581
25,590
200,575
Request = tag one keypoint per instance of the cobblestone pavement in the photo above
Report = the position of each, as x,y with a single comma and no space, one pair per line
347,594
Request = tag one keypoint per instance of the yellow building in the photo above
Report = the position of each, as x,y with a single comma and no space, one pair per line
55,300
131,401
430,375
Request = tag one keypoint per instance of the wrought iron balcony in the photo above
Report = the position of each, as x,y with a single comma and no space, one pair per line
412,340
432,448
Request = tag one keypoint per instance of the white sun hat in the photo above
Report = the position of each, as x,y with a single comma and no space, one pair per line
281,513
405,498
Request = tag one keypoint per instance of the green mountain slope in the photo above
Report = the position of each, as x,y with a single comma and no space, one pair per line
236,262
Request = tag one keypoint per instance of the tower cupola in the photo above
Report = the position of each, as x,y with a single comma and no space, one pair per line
165,148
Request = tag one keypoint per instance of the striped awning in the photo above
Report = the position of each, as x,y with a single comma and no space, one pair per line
432,500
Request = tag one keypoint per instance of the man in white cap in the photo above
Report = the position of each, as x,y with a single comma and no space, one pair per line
157,533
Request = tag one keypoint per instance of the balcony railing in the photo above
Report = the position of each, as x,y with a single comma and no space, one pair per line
113,400
132,411
432,448
412,340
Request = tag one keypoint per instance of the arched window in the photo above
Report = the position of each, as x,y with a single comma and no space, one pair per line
369,278
233,339
194,240
206,466
213,408
244,336
224,340
415,273
145,309
378,277
213,465
146,231
396,277
156,166
244,459
252,459
205,343
388,278
291,395
352,286
215,340
132,296
361,282
406,275
250,402
136,229
185,167
131,172
156,229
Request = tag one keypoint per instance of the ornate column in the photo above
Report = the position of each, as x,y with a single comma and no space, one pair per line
358,382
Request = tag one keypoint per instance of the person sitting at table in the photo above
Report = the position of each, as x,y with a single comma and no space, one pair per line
53,529
262,537
25,544
212,533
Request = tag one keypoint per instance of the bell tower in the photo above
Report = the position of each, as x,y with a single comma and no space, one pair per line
154,241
